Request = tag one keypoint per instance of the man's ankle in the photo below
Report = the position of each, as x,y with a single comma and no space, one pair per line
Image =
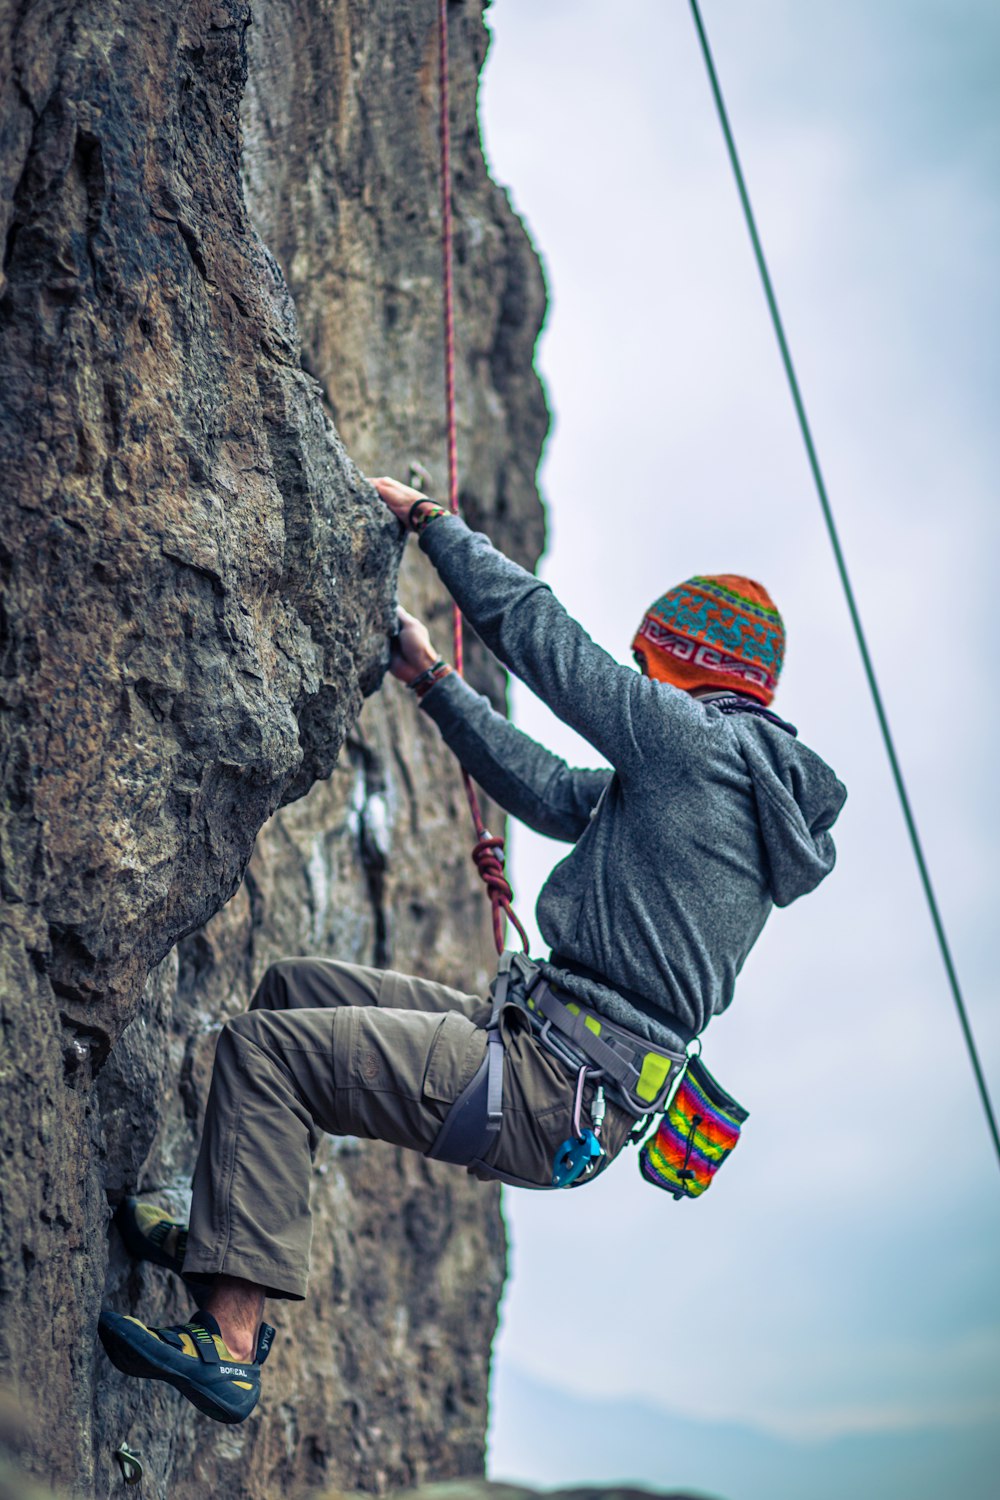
238,1307
240,1350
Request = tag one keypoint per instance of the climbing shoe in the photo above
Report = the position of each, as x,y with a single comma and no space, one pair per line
149,1233
191,1356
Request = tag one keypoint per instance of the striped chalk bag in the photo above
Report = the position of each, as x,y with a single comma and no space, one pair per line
699,1129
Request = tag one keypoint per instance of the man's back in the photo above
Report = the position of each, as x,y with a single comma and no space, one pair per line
707,819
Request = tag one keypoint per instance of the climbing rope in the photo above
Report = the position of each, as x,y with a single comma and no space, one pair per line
883,720
488,852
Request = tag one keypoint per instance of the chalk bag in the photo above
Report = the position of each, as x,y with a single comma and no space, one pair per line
698,1131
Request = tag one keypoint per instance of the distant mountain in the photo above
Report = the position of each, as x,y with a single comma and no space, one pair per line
546,1436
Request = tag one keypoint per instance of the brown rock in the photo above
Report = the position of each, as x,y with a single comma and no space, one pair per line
221,238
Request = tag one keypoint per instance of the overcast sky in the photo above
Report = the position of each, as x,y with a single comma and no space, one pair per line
846,1260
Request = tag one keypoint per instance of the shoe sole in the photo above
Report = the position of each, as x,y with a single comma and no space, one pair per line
135,1352
136,1243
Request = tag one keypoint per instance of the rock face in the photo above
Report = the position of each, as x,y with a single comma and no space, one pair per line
220,277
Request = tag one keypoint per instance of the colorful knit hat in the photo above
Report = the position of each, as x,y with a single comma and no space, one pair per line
719,632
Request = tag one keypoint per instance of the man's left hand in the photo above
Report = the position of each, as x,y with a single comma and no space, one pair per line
412,652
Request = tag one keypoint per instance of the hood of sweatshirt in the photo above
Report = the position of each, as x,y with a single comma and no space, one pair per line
798,800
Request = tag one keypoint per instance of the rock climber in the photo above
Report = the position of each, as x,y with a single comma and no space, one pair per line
710,812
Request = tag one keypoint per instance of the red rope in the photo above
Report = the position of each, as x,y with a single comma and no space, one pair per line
488,853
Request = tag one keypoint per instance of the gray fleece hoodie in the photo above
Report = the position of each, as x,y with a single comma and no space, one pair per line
706,821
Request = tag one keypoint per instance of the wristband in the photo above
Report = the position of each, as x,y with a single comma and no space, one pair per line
423,684
417,523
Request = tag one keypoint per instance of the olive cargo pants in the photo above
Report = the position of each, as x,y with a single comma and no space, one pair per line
336,1047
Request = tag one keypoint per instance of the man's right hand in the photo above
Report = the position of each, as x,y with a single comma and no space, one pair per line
400,498
412,652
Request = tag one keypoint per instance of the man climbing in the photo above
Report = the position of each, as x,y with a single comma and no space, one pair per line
712,812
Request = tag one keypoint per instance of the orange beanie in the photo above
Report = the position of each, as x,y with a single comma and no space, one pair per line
721,631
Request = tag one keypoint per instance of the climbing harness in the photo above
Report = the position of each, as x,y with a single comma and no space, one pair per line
700,1123
633,1073
827,510
488,852
636,1074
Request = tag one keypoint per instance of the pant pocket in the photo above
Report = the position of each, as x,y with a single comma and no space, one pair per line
457,1050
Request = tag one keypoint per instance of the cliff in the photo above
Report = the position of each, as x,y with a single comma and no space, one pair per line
220,279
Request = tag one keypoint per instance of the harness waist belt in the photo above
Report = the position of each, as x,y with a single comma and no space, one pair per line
635,1072
654,1013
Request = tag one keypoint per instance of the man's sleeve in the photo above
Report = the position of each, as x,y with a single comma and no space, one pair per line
527,780
526,627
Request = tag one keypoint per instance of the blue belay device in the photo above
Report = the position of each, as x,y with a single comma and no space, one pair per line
574,1157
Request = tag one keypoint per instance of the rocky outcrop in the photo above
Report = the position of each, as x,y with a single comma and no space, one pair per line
220,278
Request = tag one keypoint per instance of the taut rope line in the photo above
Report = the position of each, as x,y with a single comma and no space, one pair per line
488,852
883,720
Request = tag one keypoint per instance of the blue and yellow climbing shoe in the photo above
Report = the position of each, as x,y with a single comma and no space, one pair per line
191,1356
149,1233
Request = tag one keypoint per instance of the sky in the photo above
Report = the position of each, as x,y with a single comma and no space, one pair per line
839,1283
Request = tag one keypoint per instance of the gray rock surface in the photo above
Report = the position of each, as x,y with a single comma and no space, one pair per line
220,277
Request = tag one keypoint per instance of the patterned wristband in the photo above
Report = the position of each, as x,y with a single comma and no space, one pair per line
423,684
424,519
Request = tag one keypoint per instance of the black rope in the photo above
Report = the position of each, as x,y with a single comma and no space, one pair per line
846,582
